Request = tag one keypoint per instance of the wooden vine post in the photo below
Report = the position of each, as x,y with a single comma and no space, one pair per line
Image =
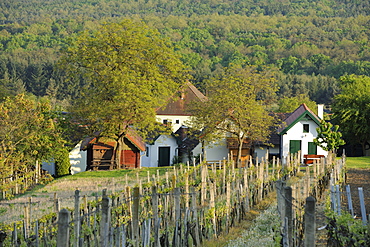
155,216
63,229
135,216
76,218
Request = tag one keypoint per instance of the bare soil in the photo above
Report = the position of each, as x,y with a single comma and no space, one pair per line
355,178
359,178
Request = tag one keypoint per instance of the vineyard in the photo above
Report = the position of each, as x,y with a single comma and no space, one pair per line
184,207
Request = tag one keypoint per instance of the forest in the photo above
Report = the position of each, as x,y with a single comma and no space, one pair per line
308,44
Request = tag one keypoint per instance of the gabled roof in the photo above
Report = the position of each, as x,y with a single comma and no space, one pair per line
177,104
135,139
131,136
300,113
152,140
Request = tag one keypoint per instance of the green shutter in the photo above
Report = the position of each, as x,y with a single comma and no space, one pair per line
294,146
312,148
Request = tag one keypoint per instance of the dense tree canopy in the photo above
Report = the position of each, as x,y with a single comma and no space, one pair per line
351,108
289,104
29,133
312,43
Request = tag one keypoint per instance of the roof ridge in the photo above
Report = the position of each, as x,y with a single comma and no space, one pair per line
196,91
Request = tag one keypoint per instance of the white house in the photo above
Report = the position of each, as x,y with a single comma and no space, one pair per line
297,132
77,159
175,113
165,149
160,152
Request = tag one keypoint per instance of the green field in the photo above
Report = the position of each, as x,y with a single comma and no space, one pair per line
143,172
358,162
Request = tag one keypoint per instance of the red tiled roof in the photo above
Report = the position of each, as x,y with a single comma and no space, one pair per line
177,104
131,135
295,115
135,139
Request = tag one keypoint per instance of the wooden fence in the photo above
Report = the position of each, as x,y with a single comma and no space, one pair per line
190,205
18,182
297,200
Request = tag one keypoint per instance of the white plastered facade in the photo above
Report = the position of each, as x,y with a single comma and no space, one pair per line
150,158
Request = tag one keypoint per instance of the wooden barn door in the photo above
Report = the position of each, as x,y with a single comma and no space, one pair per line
129,159
164,156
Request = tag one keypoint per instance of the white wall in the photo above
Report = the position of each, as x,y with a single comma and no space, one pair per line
260,152
215,151
172,118
296,133
162,141
78,159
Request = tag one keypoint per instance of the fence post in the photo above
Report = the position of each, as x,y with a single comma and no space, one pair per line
195,216
289,212
177,234
63,228
15,235
349,199
310,222
105,222
135,216
280,198
77,218
155,216
338,199
362,204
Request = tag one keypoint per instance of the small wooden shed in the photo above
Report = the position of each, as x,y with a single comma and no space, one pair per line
100,153
233,146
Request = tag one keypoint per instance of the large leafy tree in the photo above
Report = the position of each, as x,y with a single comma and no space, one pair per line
130,71
236,106
351,108
29,133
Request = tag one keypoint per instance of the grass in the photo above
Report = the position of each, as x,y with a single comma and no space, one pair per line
358,162
143,172
239,228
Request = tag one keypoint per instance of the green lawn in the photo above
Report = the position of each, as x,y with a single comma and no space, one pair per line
358,162
143,172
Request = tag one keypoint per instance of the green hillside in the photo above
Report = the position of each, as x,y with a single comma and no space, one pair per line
309,43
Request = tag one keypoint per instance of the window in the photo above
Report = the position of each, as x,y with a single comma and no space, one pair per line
165,121
147,151
177,121
306,128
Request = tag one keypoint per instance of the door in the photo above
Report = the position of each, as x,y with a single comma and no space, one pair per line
164,156
129,159
294,146
312,148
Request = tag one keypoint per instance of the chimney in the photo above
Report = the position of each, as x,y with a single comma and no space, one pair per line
320,111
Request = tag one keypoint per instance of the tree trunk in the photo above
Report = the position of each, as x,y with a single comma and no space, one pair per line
363,147
117,152
240,148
